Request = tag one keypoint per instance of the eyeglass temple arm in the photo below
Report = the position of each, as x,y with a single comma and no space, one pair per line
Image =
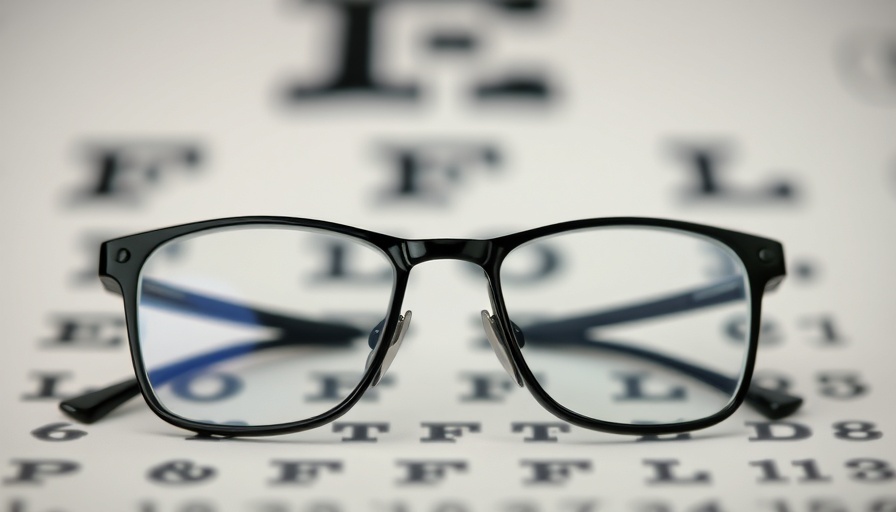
723,291
770,403
94,405
165,296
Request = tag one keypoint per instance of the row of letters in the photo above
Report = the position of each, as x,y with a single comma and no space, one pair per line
530,472
490,387
420,173
883,503
528,431
107,330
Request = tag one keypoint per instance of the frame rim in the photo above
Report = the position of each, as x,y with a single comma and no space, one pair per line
122,274
141,246
745,246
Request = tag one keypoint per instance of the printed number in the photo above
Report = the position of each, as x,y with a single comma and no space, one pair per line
864,470
871,470
56,432
819,329
841,385
856,431
836,384
770,472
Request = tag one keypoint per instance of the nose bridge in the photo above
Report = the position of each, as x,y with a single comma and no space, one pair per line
474,251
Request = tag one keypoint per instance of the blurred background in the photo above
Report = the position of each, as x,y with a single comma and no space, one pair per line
440,118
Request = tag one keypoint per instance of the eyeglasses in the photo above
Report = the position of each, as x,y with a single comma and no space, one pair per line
642,326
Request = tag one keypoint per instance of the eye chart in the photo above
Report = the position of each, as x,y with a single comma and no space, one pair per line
438,118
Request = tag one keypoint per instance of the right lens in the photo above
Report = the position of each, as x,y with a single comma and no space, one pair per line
259,325
633,325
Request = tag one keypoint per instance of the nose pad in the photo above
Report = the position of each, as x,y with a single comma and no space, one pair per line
402,327
494,339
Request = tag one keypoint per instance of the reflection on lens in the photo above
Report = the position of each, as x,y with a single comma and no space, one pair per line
239,326
631,328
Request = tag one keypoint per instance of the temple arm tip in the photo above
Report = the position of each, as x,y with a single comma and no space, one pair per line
773,404
93,406
73,410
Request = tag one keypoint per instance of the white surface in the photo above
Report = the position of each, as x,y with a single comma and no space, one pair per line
635,79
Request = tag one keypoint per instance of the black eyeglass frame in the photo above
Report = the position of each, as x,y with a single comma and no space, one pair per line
122,259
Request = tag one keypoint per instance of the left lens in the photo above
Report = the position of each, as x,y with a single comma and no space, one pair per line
633,324
259,325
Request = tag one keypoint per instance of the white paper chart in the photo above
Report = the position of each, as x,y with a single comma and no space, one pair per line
439,118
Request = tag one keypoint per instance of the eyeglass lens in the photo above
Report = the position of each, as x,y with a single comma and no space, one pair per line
638,325
234,327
